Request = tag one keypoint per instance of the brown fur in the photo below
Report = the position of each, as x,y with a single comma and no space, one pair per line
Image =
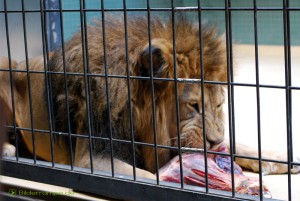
187,66
2,123
73,107
39,108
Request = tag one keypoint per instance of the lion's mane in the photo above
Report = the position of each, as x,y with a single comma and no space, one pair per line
89,75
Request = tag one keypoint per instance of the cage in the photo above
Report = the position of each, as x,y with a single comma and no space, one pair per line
261,90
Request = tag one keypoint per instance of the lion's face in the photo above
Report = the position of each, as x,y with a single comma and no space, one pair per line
192,115
160,60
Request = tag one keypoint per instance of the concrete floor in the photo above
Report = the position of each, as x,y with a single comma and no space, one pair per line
272,105
272,101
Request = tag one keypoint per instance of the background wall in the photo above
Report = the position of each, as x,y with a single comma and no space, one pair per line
270,23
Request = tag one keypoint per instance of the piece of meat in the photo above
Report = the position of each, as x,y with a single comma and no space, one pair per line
219,173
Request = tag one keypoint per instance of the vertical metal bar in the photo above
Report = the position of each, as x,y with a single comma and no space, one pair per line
152,93
84,43
203,94
129,90
287,58
229,86
232,89
48,39
11,80
107,89
258,98
176,95
53,27
66,84
28,81
88,79
46,61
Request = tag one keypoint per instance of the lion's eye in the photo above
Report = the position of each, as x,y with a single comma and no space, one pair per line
219,106
195,106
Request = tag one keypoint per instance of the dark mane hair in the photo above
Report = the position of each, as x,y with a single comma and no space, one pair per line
115,62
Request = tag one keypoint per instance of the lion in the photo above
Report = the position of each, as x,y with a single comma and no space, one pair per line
134,100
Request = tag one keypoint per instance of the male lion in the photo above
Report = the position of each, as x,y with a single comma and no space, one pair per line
92,108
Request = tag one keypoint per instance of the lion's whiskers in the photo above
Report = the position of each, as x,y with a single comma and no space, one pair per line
183,137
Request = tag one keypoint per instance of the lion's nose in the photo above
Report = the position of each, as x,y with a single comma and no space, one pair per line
215,140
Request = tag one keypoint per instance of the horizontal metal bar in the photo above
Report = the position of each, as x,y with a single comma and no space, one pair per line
120,187
184,149
180,80
176,9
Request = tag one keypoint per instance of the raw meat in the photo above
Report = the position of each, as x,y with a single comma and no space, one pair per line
219,173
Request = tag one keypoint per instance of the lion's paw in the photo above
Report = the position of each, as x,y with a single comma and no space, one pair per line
9,150
296,168
279,168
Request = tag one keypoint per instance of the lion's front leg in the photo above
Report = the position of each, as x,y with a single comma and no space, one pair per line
103,163
267,167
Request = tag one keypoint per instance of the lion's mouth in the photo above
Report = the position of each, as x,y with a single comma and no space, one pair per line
193,138
192,135
196,144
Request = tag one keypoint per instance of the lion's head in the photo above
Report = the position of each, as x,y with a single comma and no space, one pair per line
188,94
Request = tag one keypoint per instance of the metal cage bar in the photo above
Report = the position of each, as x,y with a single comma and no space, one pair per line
129,91
152,91
47,80
90,181
229,87
106,87
28,81
202,93
85,53
176,95
180,80
11,79
66,84
177,9
258,100
288,77
117,188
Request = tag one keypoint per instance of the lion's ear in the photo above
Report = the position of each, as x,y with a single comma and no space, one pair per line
160,53
156,58
155,54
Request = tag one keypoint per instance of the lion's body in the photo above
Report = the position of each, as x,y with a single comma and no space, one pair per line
188,66
91,107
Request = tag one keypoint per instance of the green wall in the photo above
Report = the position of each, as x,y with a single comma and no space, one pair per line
269,23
